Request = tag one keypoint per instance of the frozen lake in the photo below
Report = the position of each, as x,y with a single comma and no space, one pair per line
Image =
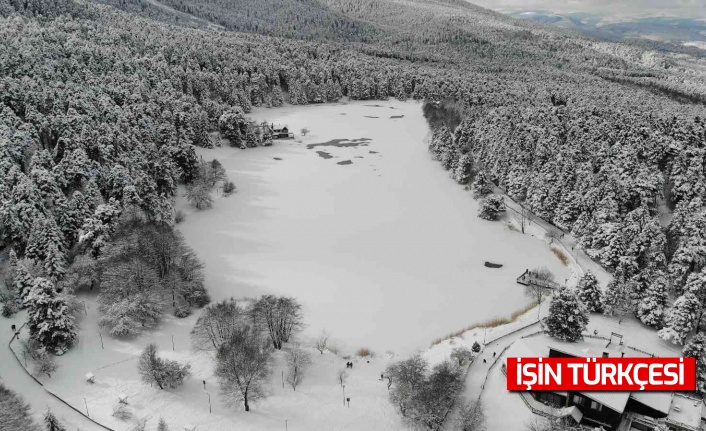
381,247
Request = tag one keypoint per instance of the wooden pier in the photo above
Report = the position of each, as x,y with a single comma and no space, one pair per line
529,278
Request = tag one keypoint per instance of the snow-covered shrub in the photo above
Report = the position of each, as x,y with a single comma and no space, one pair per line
9,308
475,347
179,216
567,317
364,352
462,355
182,311
162,372
491,207
228,187
122,412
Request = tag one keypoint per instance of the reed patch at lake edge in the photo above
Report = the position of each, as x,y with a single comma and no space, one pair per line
492,323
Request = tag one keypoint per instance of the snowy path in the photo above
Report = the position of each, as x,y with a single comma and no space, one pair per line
16,379
567,241
476,377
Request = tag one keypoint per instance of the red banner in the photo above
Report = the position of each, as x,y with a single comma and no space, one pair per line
601,374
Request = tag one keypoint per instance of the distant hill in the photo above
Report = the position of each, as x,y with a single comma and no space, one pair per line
684,35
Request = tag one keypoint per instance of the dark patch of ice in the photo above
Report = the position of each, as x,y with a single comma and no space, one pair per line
397,116
277,158
324,155
370,116
345,162
362,142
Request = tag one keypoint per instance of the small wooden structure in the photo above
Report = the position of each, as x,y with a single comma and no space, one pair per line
530,278
90,378
280,131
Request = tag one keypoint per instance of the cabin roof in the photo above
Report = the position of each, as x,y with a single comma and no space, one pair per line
660,401
589,347
614,400
685,411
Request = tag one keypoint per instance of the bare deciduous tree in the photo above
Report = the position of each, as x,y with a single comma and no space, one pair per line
298,361
537,291
216,325
552,235
342,377
471,417
524,217
321,341
243,366
280,317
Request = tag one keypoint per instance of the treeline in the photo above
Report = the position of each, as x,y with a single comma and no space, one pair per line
307,19
609,177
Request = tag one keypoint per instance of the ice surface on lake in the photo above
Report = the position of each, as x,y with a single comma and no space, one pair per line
386,252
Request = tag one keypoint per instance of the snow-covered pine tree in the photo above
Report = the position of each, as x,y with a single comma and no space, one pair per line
617,299
651,308
681,319
567,316
162,425
462,171
231,124
696,348
51,422
48,317
481,186
589,292
23,280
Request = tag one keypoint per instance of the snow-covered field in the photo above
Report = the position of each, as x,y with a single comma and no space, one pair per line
385,252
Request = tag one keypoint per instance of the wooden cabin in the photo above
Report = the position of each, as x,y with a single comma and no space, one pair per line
280,131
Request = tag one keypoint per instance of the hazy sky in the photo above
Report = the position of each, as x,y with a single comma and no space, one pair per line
608,8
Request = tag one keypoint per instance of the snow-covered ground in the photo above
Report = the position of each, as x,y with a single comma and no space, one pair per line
316,405
385,252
